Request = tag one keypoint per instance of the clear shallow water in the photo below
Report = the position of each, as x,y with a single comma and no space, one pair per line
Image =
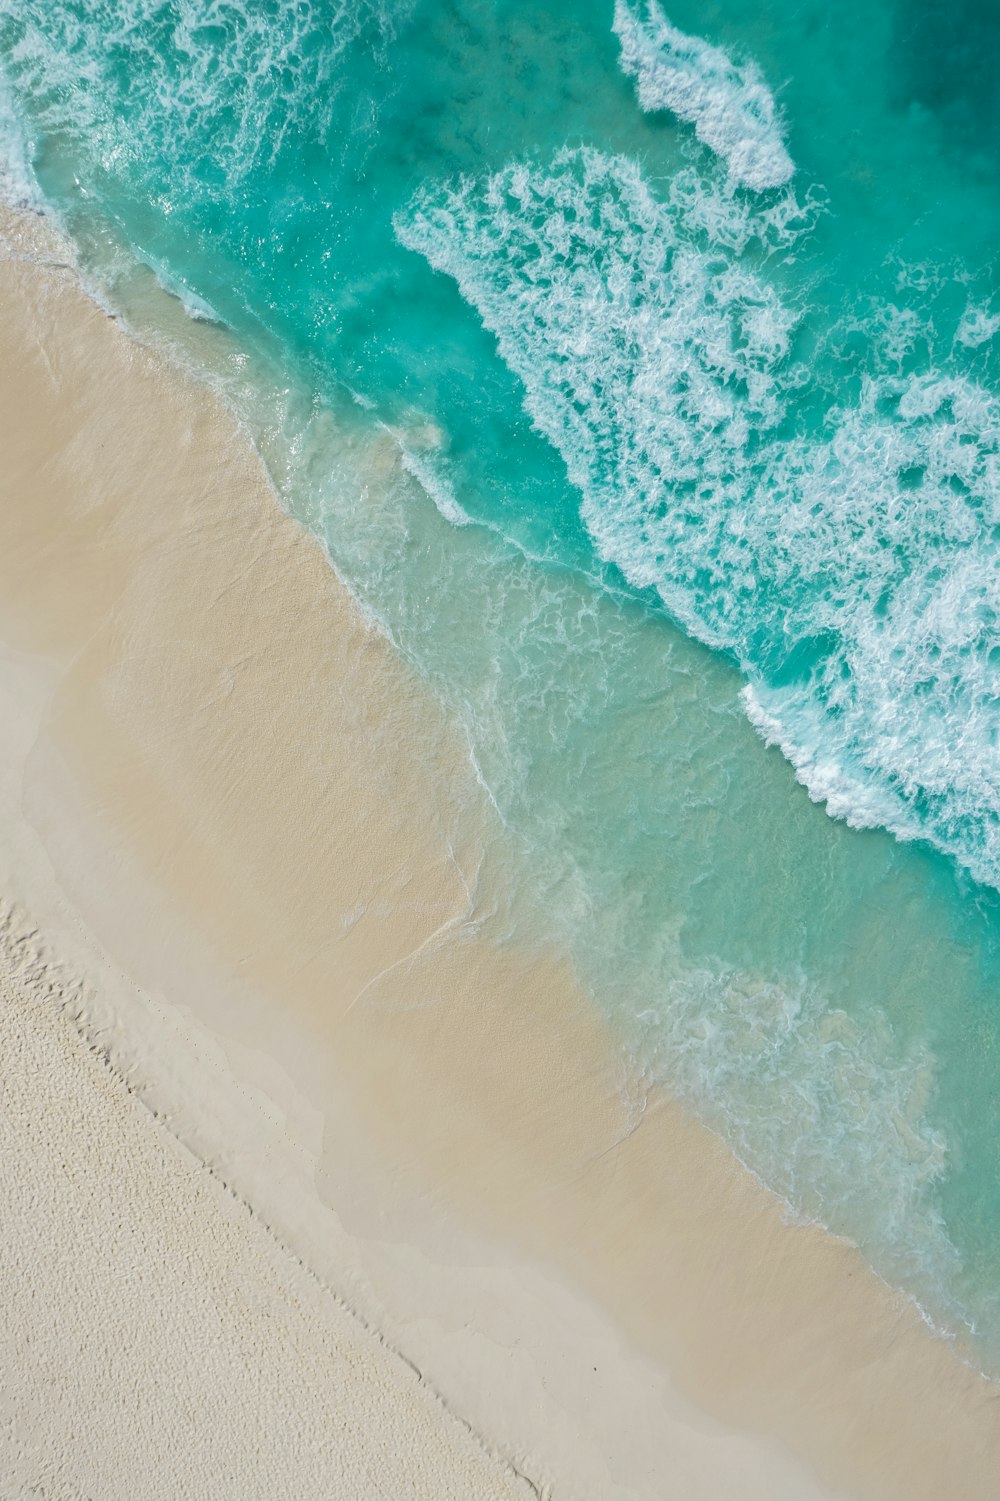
634,441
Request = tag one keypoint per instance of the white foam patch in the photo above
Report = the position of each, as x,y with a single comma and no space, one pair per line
978,326
842,789
18,185
855,575
609,309
903,699
730,106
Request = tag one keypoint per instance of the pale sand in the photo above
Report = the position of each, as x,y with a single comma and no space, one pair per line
247,830
157,1339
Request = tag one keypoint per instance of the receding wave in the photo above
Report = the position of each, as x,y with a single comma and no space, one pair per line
838,1111
730,106
817,503
832,1109
853,572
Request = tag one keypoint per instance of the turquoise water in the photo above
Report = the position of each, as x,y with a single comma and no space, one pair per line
641,372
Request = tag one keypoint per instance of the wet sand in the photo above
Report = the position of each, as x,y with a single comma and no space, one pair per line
249,842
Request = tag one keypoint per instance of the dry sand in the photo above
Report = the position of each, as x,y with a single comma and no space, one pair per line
157,1339
250,841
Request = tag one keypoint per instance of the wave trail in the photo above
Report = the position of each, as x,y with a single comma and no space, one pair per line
730,106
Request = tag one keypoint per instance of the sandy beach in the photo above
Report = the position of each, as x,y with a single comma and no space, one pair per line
310,1187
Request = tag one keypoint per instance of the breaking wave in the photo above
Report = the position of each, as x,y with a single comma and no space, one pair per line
854,572
730,106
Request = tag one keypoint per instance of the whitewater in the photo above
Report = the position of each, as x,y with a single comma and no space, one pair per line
854,575
693,397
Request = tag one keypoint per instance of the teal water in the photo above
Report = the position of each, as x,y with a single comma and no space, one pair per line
641,372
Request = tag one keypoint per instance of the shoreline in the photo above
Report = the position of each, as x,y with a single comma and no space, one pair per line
212,811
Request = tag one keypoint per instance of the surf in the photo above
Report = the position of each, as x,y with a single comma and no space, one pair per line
640,464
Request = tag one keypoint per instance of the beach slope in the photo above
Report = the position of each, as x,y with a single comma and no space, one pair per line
311,1185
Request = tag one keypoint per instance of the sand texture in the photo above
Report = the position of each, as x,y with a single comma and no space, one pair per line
356,1137
157,1340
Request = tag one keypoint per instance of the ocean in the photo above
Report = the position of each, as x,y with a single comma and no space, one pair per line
640,372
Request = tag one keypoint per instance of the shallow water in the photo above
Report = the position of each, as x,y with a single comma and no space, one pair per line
639,371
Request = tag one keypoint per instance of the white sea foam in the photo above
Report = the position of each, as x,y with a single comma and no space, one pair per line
821,768
897,718
433,483
647,356
729,104
18,184
978,326
855,574
215,88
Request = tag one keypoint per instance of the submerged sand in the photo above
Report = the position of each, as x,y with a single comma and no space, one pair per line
295,1155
